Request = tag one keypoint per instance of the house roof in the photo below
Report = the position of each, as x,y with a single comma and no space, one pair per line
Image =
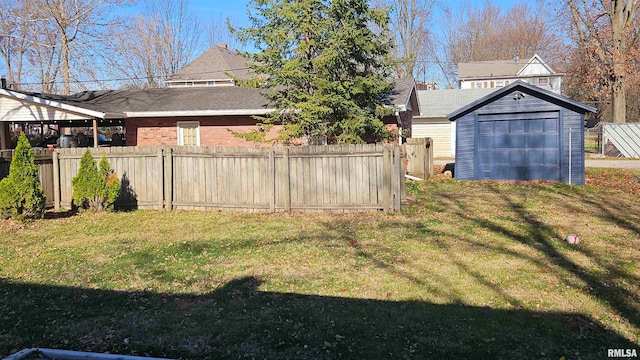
401,95
191,101
62,103
200,101
214,64
497,68
525,88
439,103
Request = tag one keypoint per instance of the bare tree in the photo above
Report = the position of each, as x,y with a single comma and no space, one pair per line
608,30
45,40
220,33
410,33
16,38
489,33
160,41
77,22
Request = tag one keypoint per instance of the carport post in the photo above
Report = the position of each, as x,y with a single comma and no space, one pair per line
4,135
95,133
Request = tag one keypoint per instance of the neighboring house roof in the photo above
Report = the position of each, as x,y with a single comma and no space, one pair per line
525,88
192,101
212,65
499,68
401,95
439,103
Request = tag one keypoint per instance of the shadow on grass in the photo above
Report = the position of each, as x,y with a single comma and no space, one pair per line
61,214
544,238
239,321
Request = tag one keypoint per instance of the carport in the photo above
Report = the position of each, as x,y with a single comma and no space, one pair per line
29,108
521,132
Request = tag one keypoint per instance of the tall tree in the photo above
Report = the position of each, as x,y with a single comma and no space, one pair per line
159,41
16,38
608,30
77,21
409,29
323,66
472,33
55,41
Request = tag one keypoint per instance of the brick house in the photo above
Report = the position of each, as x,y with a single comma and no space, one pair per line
201,107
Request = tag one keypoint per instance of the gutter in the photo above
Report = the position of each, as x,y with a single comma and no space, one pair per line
143,114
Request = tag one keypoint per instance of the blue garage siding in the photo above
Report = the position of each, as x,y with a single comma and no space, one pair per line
465,144
574,123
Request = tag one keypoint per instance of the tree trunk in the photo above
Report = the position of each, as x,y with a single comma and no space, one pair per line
65,66
618,101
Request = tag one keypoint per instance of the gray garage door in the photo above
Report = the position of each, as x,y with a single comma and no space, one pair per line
523,146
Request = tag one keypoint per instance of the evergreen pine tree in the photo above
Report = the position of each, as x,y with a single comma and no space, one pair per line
324,69
21,192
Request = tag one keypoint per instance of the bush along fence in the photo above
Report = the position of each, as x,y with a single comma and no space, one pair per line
43,159
338,177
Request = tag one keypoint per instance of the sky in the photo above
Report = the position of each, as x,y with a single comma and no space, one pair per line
236,10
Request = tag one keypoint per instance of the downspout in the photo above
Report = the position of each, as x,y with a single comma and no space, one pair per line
569,156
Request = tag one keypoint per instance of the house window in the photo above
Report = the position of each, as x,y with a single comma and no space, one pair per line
188,133
543,81
478,84
499,84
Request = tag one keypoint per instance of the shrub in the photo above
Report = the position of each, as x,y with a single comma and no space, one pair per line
21,192
94,187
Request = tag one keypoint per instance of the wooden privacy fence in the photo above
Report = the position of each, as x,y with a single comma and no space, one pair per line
43,159
419,155
339,177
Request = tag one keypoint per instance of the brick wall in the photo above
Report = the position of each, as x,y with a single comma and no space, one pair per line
214,131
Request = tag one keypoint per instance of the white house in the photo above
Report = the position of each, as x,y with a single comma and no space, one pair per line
432,122
500,73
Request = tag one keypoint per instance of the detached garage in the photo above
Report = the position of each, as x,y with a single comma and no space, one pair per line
521,132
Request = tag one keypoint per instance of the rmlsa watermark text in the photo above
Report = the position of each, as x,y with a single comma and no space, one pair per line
622,353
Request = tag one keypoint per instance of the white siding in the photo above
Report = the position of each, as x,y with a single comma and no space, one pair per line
439,130
18,111
535,68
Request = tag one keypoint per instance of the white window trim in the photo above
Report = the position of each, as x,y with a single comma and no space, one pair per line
181,125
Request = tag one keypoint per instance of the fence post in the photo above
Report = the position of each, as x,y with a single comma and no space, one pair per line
56,180
161,184
272,180
287,178
396,177
387,174
167,179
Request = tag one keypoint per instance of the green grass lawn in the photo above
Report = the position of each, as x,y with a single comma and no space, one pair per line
474,270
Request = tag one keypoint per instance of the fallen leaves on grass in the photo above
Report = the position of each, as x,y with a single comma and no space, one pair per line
623,180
